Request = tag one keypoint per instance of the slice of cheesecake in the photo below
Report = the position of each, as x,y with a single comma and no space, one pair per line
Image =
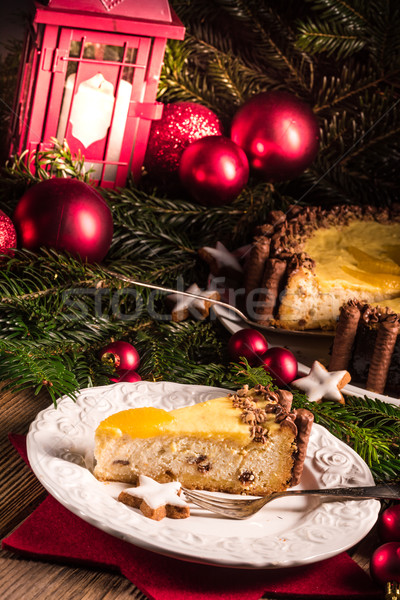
246,442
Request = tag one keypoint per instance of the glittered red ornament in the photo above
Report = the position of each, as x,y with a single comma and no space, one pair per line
281,364
389,524
65,214
214,170
8,236
122,355
385,563
249,343
279,134
181,124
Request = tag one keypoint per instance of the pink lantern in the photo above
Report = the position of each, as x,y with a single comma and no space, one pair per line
89,75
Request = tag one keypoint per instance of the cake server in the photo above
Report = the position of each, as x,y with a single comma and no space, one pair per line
244,507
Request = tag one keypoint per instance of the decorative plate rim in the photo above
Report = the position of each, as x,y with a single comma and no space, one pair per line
60,447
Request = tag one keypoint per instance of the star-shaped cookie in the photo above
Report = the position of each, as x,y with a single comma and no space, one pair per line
321,384
221,261
156,500
198,308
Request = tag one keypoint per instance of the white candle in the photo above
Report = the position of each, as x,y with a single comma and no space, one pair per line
91,114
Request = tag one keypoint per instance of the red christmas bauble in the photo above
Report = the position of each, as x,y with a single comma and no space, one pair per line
65,214
8,235
249,343
279,134
281,364
389,524
214,170
385,563
181,124
130,376
122,355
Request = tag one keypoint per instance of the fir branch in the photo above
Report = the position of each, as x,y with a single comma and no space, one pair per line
185,352
345,28
44,164
318,36
24,367
243,374
351,84
137,213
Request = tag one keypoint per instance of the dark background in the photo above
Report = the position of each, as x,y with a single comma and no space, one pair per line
12,20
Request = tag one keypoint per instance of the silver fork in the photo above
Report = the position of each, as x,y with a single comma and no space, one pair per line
244,507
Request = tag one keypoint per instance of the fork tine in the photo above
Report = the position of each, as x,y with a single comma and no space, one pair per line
234,509
204,501
233,513
214,500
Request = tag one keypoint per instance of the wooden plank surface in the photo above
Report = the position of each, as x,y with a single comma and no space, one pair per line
21,493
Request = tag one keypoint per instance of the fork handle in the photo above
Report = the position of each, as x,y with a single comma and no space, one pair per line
388,491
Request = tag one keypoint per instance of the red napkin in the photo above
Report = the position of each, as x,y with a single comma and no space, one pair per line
53,533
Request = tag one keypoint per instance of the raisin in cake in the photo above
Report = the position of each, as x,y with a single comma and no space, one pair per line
303,266
250,442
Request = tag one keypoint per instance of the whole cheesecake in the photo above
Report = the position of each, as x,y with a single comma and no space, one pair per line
305,264
248,442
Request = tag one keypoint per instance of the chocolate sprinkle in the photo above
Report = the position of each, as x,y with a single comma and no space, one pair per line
259,434
278,403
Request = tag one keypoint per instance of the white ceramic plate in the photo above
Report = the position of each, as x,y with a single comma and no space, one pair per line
305,349
285,533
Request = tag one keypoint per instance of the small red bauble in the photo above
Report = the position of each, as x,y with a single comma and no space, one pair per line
385,563
8,236
65,214
181,124
214,170
249,343
122,355
279,134
389,524
130,376
281,364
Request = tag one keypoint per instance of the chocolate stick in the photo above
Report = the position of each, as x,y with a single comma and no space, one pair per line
383,350
344,337
255,268
275,270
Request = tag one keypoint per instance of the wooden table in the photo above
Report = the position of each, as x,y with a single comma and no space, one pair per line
21,493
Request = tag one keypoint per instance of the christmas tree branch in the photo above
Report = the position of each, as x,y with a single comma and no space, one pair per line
58,161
